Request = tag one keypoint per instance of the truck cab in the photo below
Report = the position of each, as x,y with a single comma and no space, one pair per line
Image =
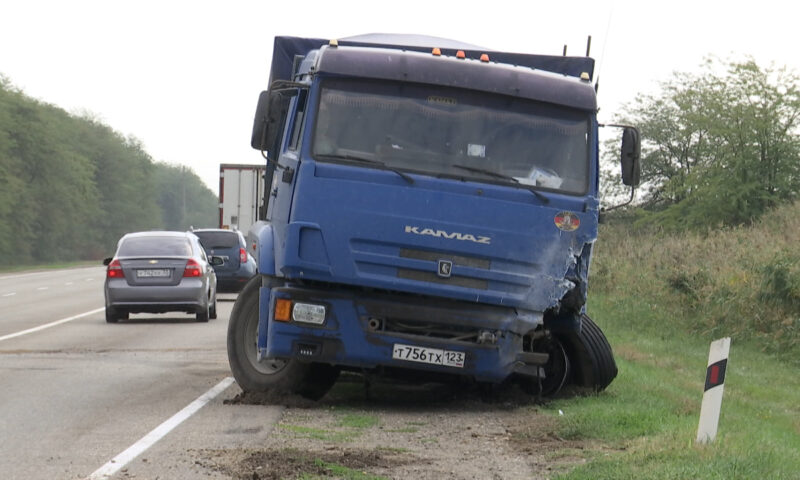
431,212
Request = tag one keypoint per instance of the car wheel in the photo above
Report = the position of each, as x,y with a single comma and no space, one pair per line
310,380
112,316
212,311
202,316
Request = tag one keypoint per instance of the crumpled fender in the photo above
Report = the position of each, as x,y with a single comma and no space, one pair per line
261,233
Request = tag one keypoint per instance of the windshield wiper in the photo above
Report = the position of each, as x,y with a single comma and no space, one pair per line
490,173
356,158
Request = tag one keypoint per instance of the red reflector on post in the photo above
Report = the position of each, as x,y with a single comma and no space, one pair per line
460,54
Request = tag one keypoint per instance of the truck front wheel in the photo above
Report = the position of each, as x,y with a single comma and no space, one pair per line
590,355
310,380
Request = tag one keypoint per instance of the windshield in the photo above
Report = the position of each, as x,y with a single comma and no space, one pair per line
218,239
155,246
448,131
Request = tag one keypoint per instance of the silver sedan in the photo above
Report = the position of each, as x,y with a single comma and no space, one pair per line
157,272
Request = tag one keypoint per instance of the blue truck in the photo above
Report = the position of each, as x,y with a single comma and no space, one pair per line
431,211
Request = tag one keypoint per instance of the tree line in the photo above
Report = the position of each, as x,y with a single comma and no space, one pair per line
70,186
720,147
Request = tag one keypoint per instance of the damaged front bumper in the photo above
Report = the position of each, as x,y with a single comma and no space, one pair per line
369,331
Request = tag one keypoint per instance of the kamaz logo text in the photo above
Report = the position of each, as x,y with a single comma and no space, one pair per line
467,237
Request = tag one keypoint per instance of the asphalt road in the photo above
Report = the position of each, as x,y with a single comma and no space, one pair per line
77,393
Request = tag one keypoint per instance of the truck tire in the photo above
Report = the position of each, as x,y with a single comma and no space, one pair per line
310,380
591,357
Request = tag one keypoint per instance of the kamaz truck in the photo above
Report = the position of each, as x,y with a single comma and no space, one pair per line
431,214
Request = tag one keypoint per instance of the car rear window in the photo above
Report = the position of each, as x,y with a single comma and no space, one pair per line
154,246
218,239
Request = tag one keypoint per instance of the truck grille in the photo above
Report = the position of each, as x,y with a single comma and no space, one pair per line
392,261
458,261
428,330
421,276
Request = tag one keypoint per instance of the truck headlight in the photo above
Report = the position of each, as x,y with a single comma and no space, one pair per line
308,313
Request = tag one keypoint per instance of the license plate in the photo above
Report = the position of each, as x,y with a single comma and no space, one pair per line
153,272
435,356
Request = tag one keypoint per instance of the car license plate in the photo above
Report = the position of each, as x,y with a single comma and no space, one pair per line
153,272
435,356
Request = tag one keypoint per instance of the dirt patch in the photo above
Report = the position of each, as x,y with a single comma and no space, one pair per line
390,430
292,463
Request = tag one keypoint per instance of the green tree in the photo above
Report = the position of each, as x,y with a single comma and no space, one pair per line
70,186
720,146
184,199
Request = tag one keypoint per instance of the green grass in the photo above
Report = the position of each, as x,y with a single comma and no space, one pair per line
348,426
340,472
645,424
332,436
353,420
48,266
661,298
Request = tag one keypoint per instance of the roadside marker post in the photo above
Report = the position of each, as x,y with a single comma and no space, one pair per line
712,394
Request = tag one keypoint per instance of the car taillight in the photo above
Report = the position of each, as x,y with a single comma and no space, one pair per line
242,255
192,269
114,270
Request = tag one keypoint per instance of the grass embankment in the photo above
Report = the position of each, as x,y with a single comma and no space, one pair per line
661,299
48,266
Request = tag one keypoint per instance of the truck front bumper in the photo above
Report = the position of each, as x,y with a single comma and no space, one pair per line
369,331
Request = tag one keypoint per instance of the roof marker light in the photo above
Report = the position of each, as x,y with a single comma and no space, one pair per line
585,76
460,54
484,57
436,52
334,43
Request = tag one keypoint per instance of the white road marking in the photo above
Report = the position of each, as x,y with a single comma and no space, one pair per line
9,277
51,324
42,288
116,463
68,283
9,294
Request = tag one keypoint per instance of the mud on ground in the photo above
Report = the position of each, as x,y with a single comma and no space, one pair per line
397,431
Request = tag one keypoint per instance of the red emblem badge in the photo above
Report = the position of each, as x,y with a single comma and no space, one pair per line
567,221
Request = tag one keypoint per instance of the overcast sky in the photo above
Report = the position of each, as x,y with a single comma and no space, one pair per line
184,76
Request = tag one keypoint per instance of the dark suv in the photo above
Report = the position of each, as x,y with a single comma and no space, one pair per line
237,267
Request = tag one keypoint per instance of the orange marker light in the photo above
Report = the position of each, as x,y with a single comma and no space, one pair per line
283,310
460,54
436,52
484,57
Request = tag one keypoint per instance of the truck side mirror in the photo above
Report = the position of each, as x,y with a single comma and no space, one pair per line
631,156
268,120
273,105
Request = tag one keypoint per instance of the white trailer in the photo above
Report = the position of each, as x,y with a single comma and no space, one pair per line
241,195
